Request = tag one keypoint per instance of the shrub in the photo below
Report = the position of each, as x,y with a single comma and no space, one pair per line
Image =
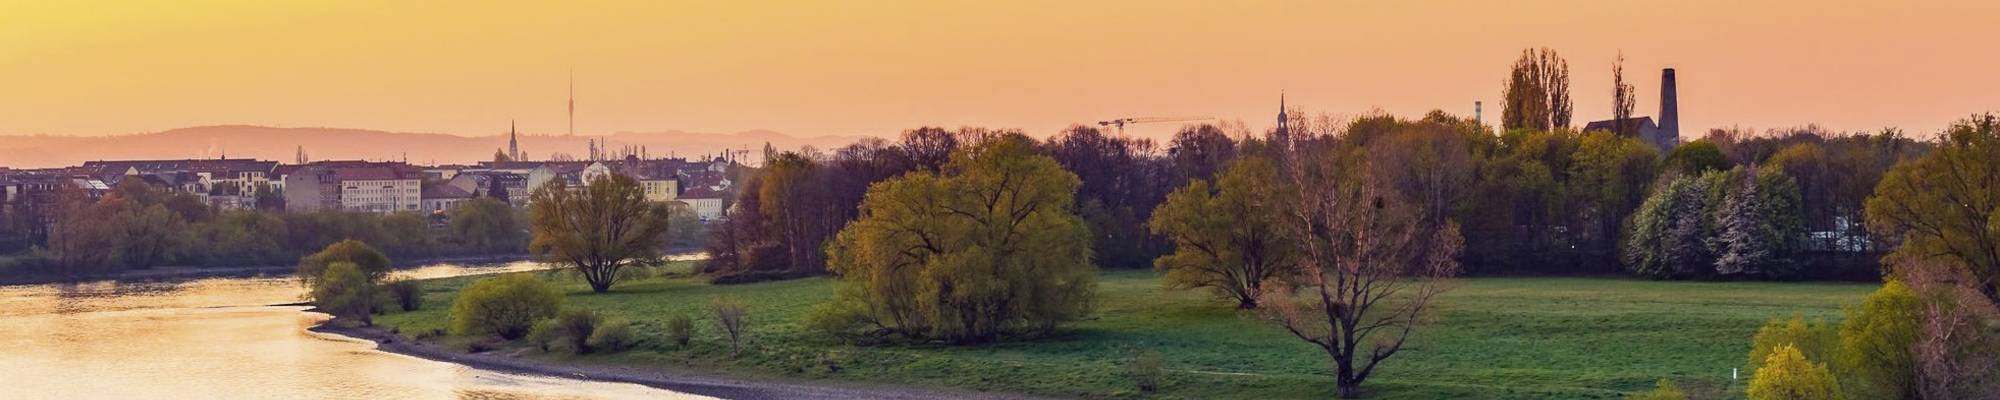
409,294
506,306
543,335
343,290
680,329
730,315
1146,369
1666,390
1875,342
371,262
612,336
574,328
1815,340
1787,375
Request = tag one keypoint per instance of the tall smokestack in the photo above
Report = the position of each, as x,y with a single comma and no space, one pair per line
1670,110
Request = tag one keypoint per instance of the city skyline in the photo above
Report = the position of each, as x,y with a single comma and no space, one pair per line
878,68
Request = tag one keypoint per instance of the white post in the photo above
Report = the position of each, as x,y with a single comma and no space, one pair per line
1732,374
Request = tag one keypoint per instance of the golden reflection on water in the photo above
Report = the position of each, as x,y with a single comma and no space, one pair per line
221,339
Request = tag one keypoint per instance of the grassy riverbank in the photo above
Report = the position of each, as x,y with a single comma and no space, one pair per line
1496,338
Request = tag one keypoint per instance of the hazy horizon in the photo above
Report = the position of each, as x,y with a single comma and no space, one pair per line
813,69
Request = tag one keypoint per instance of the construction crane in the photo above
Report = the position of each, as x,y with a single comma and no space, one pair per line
1121,122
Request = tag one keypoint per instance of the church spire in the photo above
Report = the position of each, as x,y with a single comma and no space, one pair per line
1284,123
513,143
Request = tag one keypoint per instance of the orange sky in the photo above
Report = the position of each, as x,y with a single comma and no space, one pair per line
78,67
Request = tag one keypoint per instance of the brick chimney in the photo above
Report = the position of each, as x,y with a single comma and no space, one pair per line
1670,110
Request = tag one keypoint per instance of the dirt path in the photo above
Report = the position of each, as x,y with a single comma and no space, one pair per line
679,381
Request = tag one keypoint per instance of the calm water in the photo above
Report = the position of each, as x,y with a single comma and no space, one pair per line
219,339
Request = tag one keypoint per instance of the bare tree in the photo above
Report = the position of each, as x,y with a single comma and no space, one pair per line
730,315
1371,266
1954,352
1623,98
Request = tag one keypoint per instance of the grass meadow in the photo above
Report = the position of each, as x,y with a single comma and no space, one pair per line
1568,338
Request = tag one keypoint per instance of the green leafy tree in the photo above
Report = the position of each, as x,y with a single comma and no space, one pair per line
1668,235
506,306
1816,340
1697,157
1945,203
598,229
1608,178
486,224
1876,340
371,262
1788,375
1226,237
345,291
1537,92
989,247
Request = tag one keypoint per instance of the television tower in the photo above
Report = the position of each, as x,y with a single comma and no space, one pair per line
572,101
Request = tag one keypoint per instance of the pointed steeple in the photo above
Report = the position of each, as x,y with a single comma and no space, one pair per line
513,143
1284,122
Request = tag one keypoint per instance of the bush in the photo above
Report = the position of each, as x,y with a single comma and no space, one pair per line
612,336
343,290
1875,343
543,335
1146,369
506,306
1666,390
409,294
1815,340
1787,375
371,262
680,329
574,328
730,315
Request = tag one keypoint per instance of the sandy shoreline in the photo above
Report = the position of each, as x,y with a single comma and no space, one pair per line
679,381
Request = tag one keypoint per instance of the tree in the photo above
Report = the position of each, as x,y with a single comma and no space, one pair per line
1623,98
1944,204
1226,236
989,247
1956,347
1200,152
1876,340
147,234
1669,232
1787,375
1120,187
1697,157
1537,92
1814,339
1741,245
793,202
486,224
1608,177
598,229
372,263
345,291
505,306
81,233
1371,267
732,316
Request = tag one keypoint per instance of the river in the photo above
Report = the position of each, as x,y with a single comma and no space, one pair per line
221,338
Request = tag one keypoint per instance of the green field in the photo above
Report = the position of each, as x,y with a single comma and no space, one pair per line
1495,338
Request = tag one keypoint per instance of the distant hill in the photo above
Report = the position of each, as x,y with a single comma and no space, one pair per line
281,144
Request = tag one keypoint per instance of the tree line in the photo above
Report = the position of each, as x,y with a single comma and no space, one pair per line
137,225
